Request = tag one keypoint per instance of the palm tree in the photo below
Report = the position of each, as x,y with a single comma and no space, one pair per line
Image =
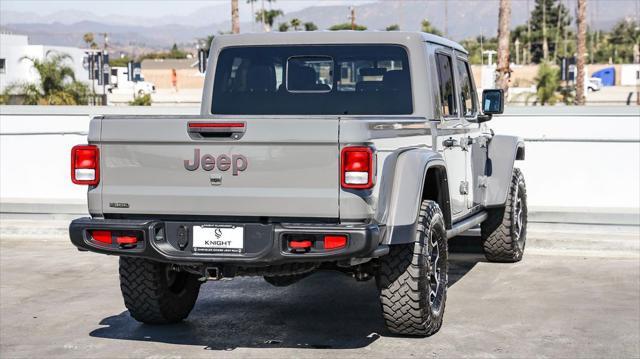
235,17
267,17
502,69
57,85
582,32
89,40
295,24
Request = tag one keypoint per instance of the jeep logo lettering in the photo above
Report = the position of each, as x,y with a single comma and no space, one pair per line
237,163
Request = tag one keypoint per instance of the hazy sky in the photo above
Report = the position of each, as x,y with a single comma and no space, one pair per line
153,8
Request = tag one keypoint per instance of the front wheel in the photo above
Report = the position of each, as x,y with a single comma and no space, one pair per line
412,278
504,233
154,293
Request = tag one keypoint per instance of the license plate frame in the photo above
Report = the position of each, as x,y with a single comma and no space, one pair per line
218,238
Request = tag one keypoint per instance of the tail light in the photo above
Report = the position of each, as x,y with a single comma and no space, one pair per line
85,165
356,167
335,241
102,236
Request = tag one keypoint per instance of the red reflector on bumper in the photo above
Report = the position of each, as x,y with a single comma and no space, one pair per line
299,244
126,240
335,242
101,236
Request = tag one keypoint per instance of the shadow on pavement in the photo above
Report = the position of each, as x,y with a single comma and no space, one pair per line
328,310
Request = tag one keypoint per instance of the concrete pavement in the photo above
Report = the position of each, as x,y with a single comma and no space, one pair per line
57,302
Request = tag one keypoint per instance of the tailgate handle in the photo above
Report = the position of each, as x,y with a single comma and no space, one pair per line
200,130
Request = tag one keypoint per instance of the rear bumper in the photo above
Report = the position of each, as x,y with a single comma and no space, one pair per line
264,244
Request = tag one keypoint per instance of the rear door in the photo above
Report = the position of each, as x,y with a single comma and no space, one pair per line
452,133
240,166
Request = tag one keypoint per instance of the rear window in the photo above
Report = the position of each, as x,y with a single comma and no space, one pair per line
313,80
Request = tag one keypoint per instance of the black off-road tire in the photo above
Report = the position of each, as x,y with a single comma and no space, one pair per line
153,294
504,233
410,303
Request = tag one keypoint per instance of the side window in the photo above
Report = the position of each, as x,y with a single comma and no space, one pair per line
447,92
466,91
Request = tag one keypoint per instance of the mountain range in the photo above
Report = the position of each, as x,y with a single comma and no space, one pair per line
465,18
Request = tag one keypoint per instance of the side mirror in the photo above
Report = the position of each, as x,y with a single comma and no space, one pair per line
492,102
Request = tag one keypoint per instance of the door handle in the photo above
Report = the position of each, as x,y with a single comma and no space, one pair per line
233,130
449,142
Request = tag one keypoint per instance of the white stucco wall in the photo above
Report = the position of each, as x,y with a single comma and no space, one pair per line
35,143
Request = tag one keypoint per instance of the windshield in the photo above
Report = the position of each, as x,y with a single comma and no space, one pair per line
313,80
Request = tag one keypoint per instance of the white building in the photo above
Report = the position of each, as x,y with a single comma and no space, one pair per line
14,70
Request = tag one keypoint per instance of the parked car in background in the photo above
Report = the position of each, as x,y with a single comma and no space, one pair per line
593,84
121,84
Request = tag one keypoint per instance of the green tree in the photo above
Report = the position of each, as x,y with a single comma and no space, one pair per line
283,27
269,16
624,35
88,38
477,45
347,26
428,28
295,24
119,61
394,27
56,86
548,83
549,20
310,26
176,53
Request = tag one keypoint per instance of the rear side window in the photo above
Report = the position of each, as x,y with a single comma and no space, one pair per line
466,92
313,80
445,79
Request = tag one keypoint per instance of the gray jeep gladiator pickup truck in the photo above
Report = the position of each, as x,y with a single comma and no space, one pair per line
362,152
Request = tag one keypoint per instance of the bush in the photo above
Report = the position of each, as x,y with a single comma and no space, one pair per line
548,83
347,26
143,100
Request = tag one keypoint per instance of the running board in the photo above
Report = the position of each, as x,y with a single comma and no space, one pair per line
466,224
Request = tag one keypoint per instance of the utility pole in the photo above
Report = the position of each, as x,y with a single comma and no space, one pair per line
446,18
557,38
582,32
352,17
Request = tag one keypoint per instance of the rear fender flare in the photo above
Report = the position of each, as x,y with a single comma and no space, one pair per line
406,194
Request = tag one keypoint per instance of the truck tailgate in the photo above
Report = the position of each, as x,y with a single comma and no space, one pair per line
276,167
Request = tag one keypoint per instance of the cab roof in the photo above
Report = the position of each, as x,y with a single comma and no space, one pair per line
334,37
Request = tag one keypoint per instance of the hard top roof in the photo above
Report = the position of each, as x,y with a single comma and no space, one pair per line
333,37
